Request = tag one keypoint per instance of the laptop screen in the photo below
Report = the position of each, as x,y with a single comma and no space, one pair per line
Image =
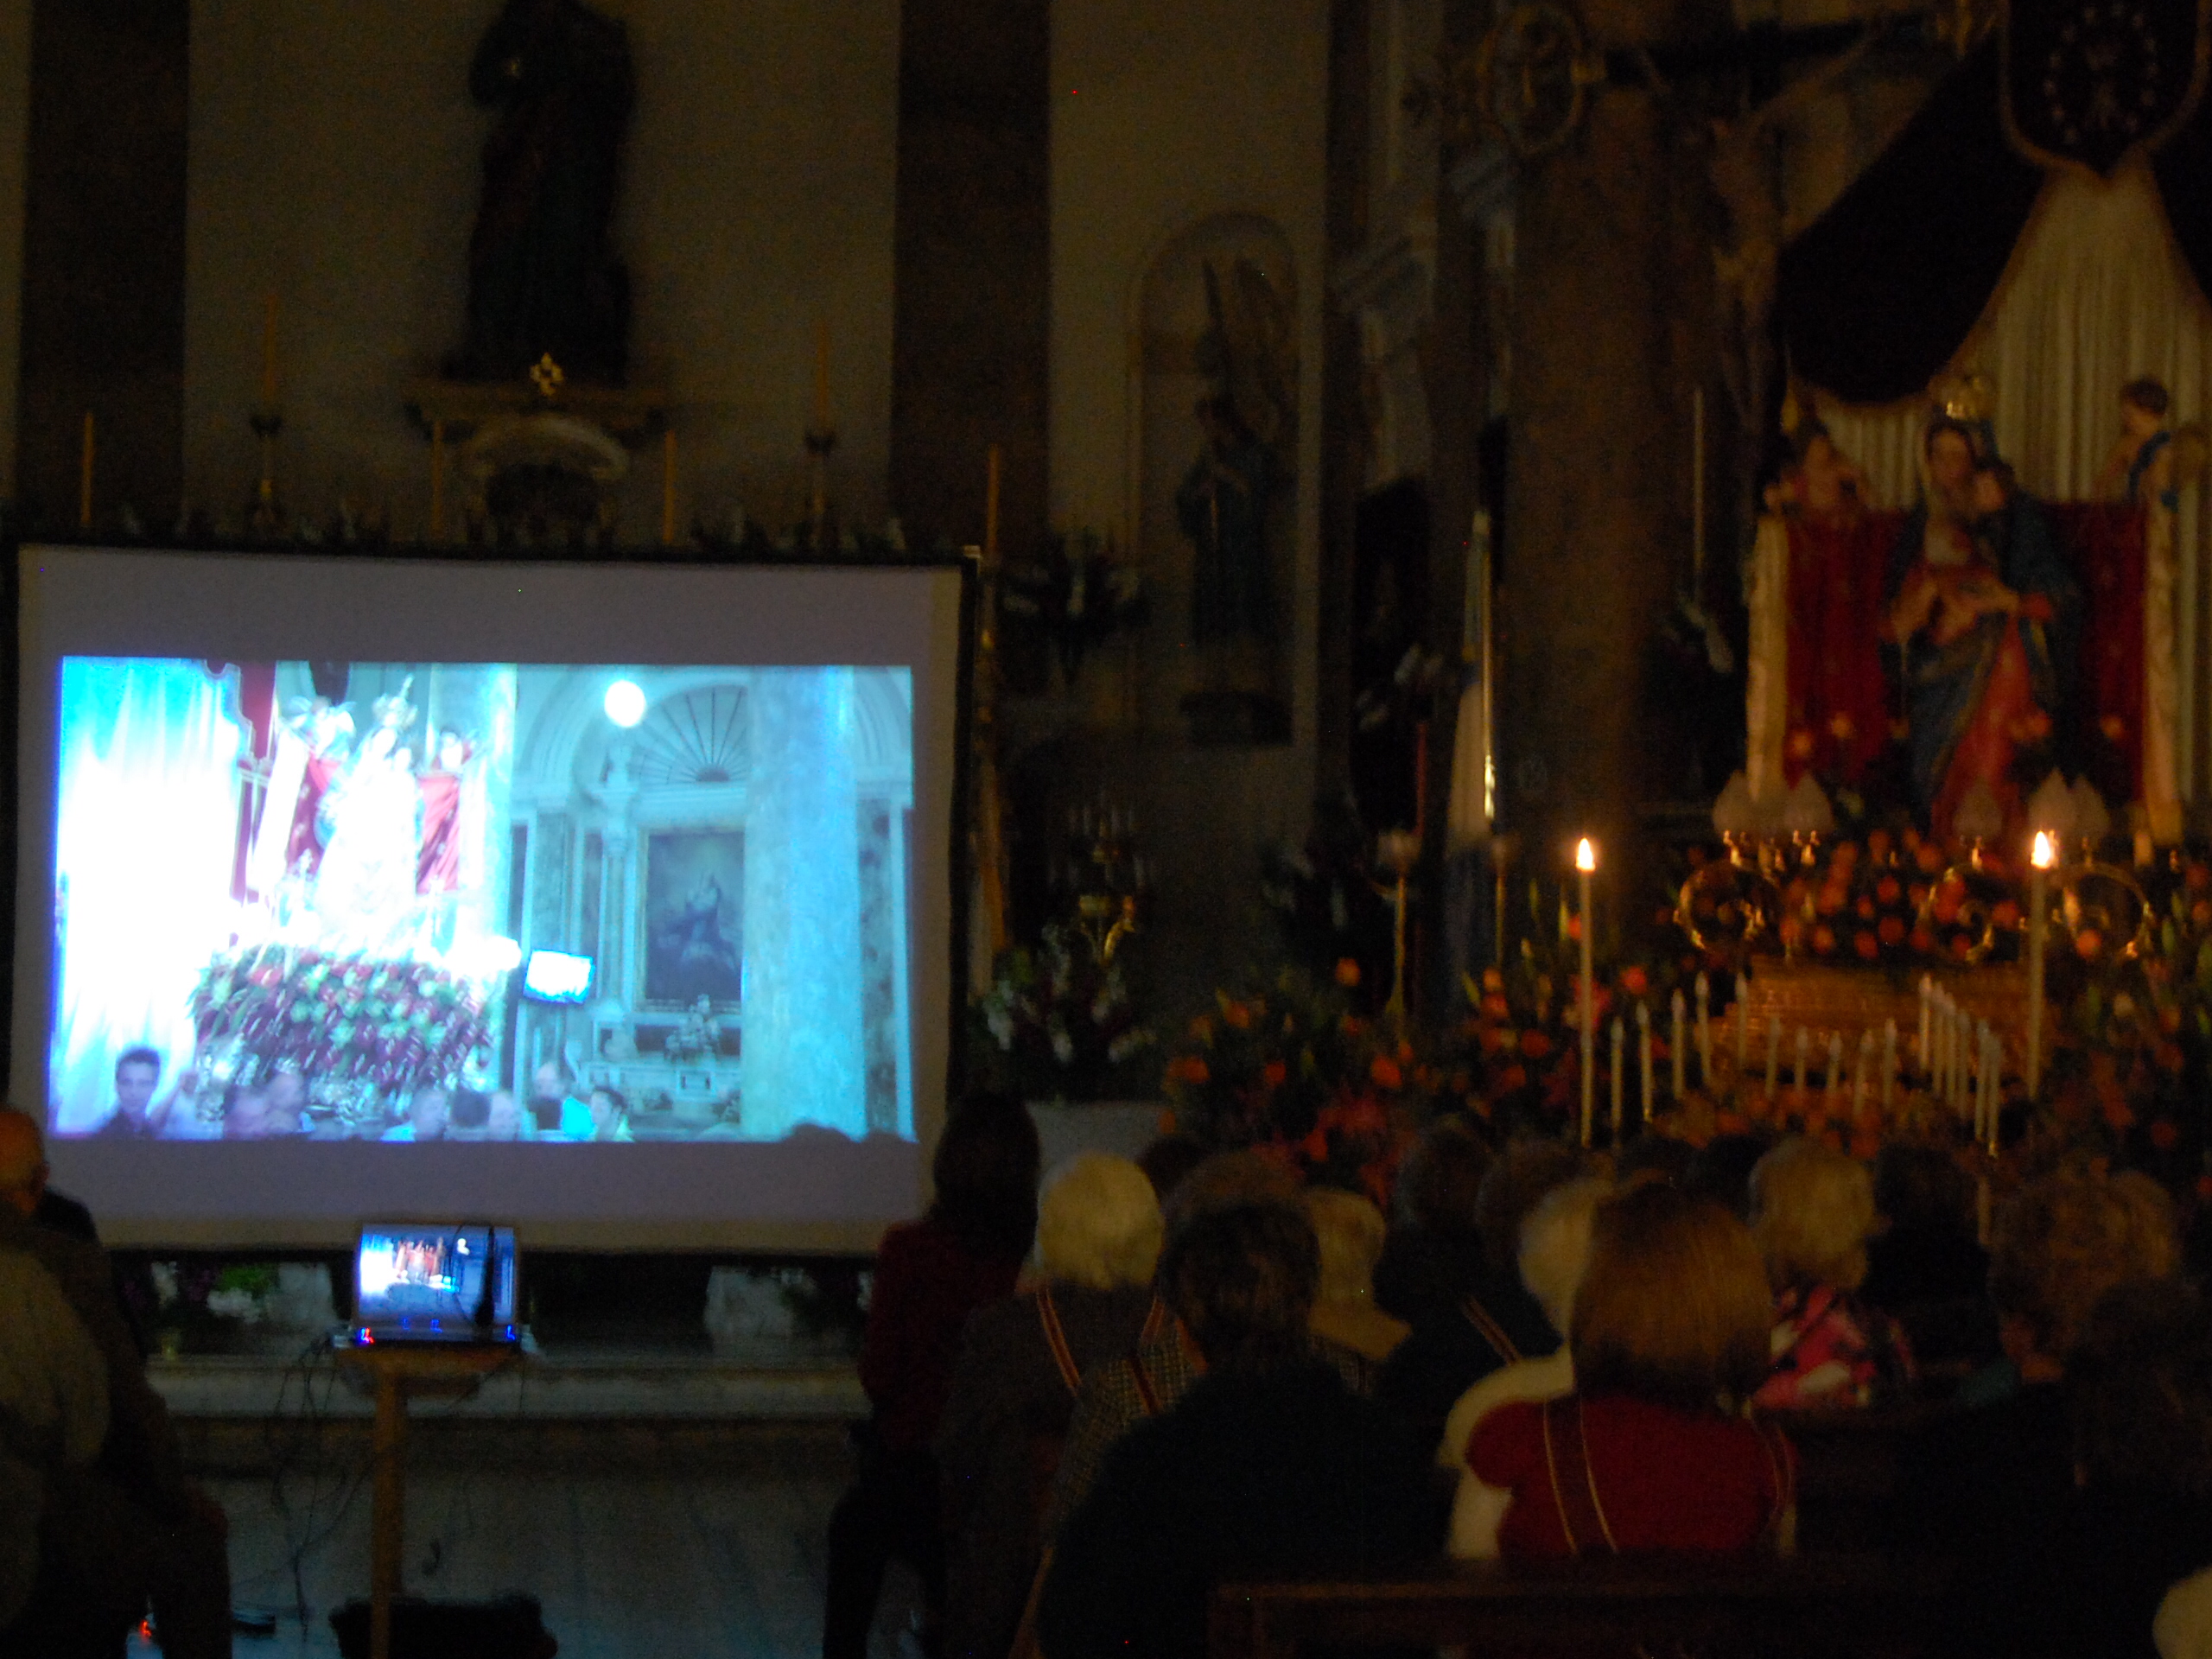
421,1273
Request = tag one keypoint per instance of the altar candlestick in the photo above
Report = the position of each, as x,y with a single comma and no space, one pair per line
1993,1048
668,487
1704,1032
1981,1207
269,352
1742,1027
1889,1065
1835,1074
1585,861
993,462
1773,1054
822,374
436,480
1804,1060
1644,1062
1859,1082
2144,855
1927,999
1679,1054
1620,1043
84,477
2038,923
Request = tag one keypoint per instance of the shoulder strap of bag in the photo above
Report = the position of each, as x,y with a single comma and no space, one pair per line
1056,1340
1490,1331
1575,1486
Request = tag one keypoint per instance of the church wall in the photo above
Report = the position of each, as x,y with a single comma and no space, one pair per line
15,123
1166,116
335,161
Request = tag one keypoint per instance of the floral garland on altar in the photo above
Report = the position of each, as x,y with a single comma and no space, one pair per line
370,1026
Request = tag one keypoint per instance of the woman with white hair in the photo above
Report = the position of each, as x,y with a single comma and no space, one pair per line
1812,1214
1351,1232
1099,1232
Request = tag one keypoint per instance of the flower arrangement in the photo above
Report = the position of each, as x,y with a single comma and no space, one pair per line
1294,1072
393,1025
1057,1023
1077,594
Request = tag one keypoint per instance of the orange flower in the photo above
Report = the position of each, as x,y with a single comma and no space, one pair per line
1824,940
2088,942
2204,1189
2165,1134
2005,913
1201,1029
1929,856
2117,1114
1924,942
2169,1056
1167,1124
1888,890
1497,1008
1574,927
1891,929
1347,972
1866,945
1961,947
1384,1071
1730,1122
1315,1147
2199,913
2169,1018
1191,1068
1274,1074
1512,1080
1493,980
1535,1044
1635,981
1864,1145
1865,908
1236,1015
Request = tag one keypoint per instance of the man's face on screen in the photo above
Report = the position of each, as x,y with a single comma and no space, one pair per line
504,1120
428,1114
545,1084
134,1087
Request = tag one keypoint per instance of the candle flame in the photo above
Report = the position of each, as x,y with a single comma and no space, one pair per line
2045,854
1585,854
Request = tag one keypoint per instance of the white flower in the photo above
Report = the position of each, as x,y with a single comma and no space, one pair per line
1063,1048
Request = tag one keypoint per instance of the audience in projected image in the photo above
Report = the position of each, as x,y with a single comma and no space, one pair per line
426,1117
132,1528
137,1117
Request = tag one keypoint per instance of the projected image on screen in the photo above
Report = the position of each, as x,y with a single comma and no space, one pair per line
411,902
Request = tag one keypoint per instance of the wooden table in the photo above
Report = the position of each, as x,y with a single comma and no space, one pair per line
396,1373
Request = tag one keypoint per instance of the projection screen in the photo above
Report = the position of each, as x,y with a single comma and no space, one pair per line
613,900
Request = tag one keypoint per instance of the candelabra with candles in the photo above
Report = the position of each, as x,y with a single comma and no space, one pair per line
265,515
1106,881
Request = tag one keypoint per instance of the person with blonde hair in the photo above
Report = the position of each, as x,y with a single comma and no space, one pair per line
1655,1449
1813,1214
1022,1363
1350,1231
1989,1485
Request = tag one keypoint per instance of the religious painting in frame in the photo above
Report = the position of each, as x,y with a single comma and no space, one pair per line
692,918
2088,83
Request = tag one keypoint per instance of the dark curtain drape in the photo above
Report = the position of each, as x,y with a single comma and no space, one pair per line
1876,295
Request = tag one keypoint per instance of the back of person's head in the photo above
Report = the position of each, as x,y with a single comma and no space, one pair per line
1167,1159
1516,1185
1675,1307
1099,1224
1658,1155
23,1158
1722,1171
1921,1190
2139,1383
1349,1230
470,1108
1243,1278
985,1173
1441,1183
1812,1213
2069,1237
1231,1178
1555,1246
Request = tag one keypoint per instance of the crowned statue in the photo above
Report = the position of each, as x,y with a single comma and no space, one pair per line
370,817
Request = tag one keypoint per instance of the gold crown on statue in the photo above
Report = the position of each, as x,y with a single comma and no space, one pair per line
393,709
1968,397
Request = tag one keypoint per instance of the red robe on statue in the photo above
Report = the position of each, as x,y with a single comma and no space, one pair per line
1839,706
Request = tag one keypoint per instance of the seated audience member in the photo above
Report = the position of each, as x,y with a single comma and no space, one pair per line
2139,1522
427,1116
468,1116
1812,1213
137,1117
2182,1629
132,1527
1654,1451
504,1119
1122,1393
1658,1157
1924,1269
930,1275
1722,1171
610,1115
1984,1485
1269,1465
1014,1389
1489,1320
285,1109
1554,1256
553,1104
54,1404
1434,1246
1350,1231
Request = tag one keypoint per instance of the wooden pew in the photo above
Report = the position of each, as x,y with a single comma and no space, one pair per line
1685,1608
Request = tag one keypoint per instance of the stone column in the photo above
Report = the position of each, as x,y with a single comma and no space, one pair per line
804,1057
1611,294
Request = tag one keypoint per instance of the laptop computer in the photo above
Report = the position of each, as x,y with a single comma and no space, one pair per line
434,1282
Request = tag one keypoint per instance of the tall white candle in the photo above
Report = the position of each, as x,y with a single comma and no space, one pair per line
1889,1066
1773,1053
1835,1074
1585,861
1859,1080
1804,1052
1927,1004
1644,1060
1742,1027
1620,1055
1678,1053
2044,854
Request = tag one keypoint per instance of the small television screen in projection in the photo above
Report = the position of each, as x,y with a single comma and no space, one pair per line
414,901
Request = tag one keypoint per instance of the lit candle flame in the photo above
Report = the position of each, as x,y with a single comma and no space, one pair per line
1585,854
2045,854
